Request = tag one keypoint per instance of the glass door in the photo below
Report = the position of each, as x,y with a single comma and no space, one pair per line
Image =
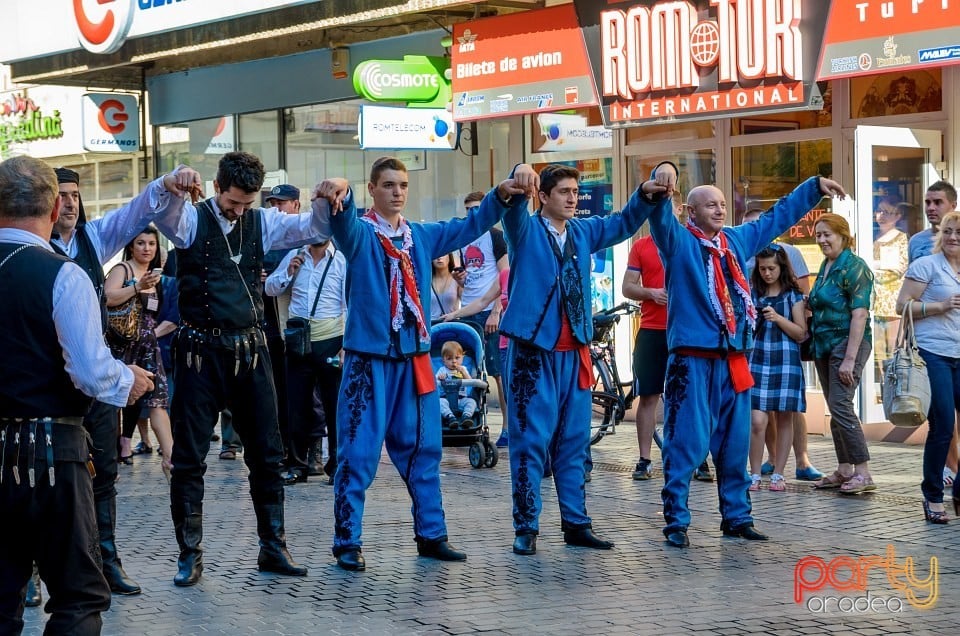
894,166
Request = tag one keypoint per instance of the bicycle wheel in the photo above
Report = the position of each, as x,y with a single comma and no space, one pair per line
606,402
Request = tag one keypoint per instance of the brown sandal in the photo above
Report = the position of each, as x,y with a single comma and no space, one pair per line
831,481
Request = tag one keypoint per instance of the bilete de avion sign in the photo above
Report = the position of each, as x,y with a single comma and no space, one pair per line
699,59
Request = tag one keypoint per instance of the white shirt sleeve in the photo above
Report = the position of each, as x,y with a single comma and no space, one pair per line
76,315
110,233
283,231
179,223
279,280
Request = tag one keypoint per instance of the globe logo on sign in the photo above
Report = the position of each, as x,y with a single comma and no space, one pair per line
705,43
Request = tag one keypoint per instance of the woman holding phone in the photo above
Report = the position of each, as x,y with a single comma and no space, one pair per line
139,276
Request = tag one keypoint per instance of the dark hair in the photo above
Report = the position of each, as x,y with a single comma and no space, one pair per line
28,188
156,262
946,188
128,248
240,169
382,164
554,173
449,262
788,280
473,197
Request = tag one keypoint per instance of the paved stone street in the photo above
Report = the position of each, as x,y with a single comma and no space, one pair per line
718,586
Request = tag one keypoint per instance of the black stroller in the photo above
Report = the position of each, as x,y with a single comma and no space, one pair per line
472,432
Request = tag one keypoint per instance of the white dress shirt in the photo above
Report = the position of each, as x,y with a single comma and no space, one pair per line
76,315
306,284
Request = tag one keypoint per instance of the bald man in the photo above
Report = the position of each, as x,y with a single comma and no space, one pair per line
706,393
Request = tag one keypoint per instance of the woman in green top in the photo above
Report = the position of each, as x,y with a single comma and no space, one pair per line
840,302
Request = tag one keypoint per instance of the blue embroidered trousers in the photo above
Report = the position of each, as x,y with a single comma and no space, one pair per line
379,404
549,414
702,412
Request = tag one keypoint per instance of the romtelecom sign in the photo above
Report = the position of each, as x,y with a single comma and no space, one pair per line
417,80
672,61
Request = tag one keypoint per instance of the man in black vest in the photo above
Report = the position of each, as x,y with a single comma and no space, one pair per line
52,316
221,354
91,244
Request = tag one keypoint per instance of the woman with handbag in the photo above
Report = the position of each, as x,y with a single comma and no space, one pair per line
933,283
840,302
133,295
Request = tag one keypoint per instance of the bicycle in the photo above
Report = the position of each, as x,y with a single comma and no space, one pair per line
611,399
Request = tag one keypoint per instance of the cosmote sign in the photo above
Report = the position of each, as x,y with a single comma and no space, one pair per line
671,61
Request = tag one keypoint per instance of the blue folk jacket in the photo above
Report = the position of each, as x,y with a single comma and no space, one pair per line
367,328
691,320
535,311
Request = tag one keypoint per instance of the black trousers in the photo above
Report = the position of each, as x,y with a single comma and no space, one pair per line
276,347
56,527
102,421
304,375
197,402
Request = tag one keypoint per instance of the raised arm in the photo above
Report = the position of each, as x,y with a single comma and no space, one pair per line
455,233
758,234
284,231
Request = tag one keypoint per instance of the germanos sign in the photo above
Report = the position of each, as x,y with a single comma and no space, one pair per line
697,59
417,80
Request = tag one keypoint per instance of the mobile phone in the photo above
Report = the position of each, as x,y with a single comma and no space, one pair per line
158,271
459,269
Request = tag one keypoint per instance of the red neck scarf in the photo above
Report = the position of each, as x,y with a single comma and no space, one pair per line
719,293
403,282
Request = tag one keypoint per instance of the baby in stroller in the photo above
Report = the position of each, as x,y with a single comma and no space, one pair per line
457,356
452,355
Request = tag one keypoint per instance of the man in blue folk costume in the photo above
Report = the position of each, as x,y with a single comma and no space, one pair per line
549,373
388,392
710,324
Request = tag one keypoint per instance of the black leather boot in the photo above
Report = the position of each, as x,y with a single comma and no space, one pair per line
584,537
439,549
119,582
274,556
34,596
188,526
525,543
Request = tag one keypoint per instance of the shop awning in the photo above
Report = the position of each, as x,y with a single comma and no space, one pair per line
867,37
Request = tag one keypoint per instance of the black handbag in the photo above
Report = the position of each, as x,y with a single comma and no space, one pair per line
296,336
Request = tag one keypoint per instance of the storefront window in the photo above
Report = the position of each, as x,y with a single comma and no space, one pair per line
322,142
678,132
198,144
917,91
116,179
260,134
697,167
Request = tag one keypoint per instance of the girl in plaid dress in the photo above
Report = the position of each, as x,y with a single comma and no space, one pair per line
779,389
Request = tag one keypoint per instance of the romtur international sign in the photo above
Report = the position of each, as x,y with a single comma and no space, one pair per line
657,62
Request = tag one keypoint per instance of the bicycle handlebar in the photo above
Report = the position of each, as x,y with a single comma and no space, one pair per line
622,309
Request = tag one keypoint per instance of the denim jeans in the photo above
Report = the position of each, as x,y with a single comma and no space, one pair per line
944,374
848,439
